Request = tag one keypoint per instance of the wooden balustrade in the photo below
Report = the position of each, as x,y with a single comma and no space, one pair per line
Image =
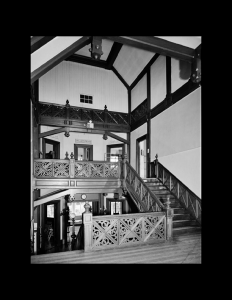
101,232
190,200
145,199
64,168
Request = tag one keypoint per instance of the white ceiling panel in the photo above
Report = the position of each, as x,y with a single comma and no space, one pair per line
131,61
106,47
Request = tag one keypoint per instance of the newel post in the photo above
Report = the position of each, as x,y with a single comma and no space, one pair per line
72,166
156,166
169,220
87,221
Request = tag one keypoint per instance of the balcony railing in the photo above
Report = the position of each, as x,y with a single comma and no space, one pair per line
62,168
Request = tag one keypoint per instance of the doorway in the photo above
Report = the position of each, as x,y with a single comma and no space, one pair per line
141,156
113,152
83,152
51,149
51,228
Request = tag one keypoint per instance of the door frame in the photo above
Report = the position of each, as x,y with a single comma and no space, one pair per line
76,146
51,142
108,147
138,140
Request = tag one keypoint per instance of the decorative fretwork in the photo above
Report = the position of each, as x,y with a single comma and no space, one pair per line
96,170
113,231
51,168
139,112
61,169
181,192
83,114
142,195
43,168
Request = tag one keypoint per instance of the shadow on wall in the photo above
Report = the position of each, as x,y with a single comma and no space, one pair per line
185,69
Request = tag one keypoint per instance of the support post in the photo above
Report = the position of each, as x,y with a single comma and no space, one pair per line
169,220
72,166
124,159
87,221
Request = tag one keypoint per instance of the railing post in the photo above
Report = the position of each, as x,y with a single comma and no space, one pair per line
72,166
156,166
87,221
169,222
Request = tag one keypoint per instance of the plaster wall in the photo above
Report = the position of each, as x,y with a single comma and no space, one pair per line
68,80
158,81
180,73
137,133
139,92
176,137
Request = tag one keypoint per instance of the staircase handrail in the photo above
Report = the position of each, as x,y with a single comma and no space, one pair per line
151,194
177,188
178,180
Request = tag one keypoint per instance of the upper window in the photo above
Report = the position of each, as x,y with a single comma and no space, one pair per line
86,99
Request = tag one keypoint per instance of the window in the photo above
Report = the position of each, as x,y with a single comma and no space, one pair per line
116,208
50,211
86,99
77,207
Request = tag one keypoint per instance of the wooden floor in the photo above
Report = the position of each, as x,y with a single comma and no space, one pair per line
183,249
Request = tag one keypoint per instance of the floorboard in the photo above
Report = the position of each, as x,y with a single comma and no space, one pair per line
183,249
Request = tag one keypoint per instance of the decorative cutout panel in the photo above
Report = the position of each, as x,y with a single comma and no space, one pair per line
122,230
139,112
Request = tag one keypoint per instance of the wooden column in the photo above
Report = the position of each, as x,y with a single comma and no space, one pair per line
87,221
129,119
148,121
168,80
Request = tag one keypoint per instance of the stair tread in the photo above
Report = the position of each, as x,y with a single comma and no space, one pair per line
187,227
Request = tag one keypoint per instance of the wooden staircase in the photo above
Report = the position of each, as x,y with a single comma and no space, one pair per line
183,222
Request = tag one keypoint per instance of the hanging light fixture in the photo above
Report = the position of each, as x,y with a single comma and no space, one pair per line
96,48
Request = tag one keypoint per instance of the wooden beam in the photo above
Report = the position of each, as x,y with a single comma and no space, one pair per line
51,132
51,196
120,77
36,74
88,61
39,41
157,45
148,136
114,136
144,71
113,54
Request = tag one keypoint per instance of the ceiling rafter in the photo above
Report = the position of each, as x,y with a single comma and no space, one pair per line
47,66
98,63
157,45
39,41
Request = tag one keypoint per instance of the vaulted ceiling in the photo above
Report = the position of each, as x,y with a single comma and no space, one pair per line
127,56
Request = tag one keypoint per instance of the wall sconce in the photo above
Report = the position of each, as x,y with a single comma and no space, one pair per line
90,124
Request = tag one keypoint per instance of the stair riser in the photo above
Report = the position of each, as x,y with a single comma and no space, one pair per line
178,211
185,230
181,217
184,223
